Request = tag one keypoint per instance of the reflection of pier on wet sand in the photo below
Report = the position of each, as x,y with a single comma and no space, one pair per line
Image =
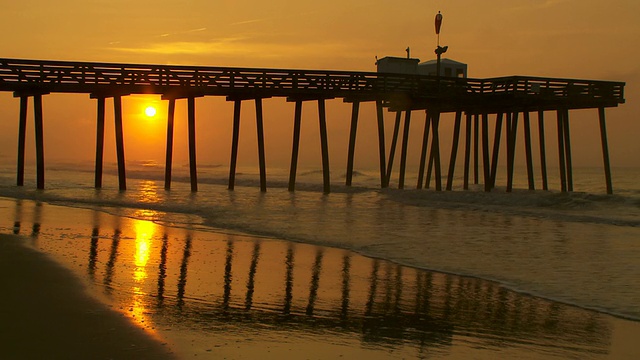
184,284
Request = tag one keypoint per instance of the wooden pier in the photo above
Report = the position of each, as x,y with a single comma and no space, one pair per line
483,101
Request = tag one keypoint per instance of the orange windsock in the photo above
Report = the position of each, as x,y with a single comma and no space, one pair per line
438,22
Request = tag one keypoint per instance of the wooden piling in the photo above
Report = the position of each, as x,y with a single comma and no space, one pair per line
528,151
169,150
561,150
430,164
435,149
511,149
237,107
355,109
485,152
22,133
543,157
605,150
191,115
261,156
39,131
117,110
454,150
394,142
496,148
405,144
567,147
99,142
383,171
475,148
324,143
423,153
297,123
467,151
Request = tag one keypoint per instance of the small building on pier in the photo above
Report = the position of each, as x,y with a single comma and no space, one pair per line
448,68
413,66
398,65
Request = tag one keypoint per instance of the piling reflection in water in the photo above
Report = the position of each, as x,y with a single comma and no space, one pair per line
205,284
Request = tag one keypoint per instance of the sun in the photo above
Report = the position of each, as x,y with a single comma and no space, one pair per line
150,111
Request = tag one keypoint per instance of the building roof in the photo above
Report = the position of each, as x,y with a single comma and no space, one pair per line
442,61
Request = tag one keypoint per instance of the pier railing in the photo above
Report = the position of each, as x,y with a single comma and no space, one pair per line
85,77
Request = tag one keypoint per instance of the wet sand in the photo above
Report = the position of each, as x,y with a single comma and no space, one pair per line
213,295
46,314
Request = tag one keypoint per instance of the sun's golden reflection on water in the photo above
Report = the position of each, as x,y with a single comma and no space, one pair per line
148,192
144,231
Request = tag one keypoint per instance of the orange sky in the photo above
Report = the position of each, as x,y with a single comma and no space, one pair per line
588,39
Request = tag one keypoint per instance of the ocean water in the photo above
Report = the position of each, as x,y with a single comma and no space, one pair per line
580,248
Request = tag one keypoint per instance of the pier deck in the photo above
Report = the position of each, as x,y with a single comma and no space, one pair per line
504,97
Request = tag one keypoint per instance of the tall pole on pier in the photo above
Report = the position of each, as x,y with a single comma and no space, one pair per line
439,49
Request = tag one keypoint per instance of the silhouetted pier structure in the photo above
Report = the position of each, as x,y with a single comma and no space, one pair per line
504,98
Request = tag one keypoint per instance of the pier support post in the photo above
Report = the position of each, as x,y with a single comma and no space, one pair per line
528,151
567,147
485,153
261,156
383,171
512,131
191,115
496,149
355,109
117,110
99,142
324,143
37,109
22,133
543,157
297,123
561,152
394,142
423,153
475,149
467,151
454,150
405,144
169,151
605,150
435,150
237,105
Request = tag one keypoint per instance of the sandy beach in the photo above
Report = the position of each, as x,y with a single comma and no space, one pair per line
46,314
79,283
